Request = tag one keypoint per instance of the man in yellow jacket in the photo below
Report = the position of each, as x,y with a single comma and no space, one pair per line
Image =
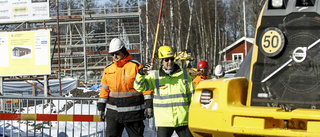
125,106
172,92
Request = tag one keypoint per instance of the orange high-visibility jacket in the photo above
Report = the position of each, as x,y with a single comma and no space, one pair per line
198,79
124,103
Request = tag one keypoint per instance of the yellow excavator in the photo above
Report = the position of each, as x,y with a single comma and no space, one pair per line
184,59
278,93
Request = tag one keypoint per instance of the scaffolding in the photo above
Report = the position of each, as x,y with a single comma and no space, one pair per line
85,29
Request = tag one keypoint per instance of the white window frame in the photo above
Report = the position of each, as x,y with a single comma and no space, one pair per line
237,54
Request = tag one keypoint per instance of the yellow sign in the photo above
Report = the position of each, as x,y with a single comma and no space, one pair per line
25,53
20,9
272,41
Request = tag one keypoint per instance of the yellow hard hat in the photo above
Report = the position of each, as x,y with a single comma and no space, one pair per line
165,52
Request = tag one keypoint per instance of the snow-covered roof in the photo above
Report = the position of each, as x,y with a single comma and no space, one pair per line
251,40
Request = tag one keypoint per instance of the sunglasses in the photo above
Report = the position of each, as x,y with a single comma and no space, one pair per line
116,53
167,59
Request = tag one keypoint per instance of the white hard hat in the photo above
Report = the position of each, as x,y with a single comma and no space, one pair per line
218,71
115,45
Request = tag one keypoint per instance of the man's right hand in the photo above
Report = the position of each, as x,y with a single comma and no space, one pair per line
145,68
102,116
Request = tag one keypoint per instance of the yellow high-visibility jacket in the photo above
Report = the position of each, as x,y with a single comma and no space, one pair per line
171,95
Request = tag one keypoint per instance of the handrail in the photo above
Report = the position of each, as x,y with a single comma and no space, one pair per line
51,98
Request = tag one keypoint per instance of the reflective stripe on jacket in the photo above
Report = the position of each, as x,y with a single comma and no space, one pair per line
172,95
198,79
124,103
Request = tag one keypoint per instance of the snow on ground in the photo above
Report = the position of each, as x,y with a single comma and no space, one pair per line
62,128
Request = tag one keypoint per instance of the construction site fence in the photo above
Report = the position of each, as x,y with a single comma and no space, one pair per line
50,116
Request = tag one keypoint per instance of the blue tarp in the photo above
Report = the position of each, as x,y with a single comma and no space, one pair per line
95,87
25,89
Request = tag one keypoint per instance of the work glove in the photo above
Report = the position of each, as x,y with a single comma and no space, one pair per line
145,68
101,108
102,116
148,112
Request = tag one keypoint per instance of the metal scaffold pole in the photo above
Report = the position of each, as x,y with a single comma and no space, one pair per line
58,42
84,41
1,92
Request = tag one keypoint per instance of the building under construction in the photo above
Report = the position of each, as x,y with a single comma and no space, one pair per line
81,33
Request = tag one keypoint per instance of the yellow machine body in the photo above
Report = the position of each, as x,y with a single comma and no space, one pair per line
280,97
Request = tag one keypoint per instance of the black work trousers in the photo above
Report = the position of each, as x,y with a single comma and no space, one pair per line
182,131
115,129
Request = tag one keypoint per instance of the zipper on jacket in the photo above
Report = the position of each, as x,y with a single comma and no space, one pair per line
124,76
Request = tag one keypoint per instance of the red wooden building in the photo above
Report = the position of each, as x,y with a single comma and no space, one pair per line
233,55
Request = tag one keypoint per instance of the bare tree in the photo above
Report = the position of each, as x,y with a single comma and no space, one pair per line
215,32
173,35
190,3
202,27
253,11
178,44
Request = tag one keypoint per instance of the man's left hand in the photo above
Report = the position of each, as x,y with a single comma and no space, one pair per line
148,112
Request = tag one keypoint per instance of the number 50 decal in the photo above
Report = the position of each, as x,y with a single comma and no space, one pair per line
272,41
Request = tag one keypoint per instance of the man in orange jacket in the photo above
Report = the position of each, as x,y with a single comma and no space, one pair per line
202,72
125,106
